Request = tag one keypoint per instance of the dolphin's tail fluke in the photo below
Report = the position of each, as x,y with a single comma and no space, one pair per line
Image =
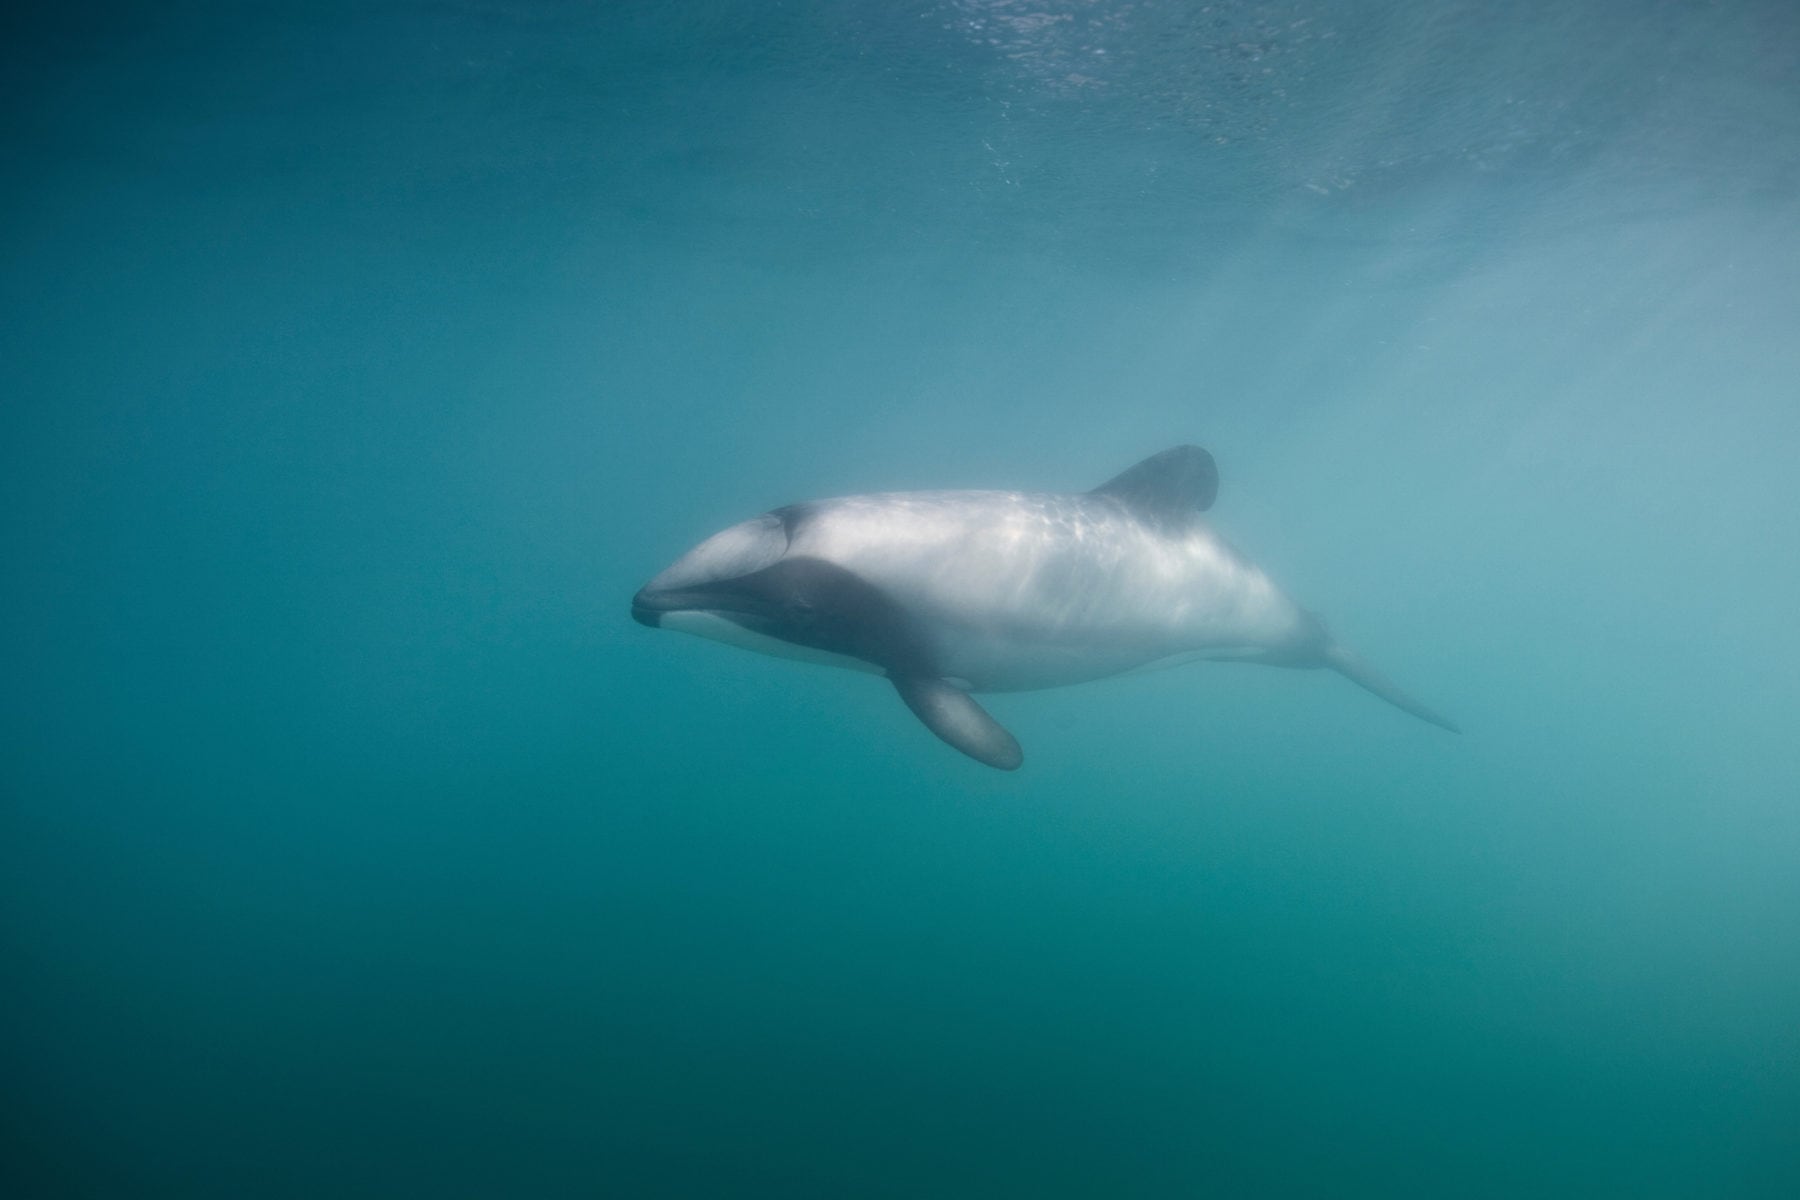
1351,666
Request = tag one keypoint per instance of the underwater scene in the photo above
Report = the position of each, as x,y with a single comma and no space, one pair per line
394,389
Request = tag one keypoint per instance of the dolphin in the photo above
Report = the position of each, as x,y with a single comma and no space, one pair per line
949,593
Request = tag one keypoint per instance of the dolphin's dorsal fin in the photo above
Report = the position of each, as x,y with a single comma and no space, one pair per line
953,715
1170,486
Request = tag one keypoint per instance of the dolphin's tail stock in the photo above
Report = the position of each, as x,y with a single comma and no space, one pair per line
1351,666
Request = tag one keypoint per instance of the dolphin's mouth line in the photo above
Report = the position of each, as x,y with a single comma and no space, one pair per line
650,608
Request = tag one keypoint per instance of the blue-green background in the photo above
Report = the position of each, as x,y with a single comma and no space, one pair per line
360,359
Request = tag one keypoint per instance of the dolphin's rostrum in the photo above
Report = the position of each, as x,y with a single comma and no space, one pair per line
948,593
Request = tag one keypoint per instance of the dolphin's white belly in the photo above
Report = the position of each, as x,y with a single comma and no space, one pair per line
1013,591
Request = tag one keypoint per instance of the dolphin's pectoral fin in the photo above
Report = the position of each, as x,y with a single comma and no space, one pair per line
1171,486
953,715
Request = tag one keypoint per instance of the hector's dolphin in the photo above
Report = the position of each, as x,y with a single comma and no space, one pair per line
948,593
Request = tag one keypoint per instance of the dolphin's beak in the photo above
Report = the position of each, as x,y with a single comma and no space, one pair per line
702,580
646,610
649,605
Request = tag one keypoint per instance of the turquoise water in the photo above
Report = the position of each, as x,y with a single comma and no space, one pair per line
361,360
